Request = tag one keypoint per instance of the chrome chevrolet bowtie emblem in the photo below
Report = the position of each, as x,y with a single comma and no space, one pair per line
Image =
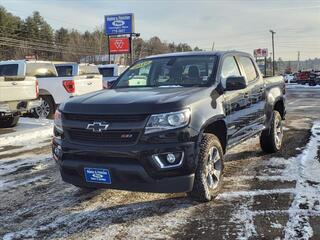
97,126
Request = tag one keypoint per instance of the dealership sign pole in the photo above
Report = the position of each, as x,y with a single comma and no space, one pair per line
120,24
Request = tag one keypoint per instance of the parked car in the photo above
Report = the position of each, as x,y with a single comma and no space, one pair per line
168,122
18,92
289,78
58,83
110,73
314,78
302,77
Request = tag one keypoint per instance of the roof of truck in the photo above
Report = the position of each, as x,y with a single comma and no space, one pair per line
23,61
197,53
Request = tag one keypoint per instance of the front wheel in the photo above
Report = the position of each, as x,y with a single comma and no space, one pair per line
271,139
208,176
8,122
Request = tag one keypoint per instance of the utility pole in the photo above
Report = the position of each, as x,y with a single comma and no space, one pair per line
298,67
212,46
273,62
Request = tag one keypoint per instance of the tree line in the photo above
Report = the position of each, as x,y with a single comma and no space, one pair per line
34,36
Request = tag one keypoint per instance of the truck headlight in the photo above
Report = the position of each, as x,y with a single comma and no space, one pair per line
167,121
57,121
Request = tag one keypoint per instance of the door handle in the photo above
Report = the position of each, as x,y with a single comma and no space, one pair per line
89,83
13,83
246,95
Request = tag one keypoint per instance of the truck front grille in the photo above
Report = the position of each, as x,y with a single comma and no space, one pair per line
107,118
108,137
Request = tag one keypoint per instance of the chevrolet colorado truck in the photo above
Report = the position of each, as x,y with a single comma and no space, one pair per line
18,93
167,123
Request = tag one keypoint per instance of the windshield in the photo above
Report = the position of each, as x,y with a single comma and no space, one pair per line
88,69
39,70
169,71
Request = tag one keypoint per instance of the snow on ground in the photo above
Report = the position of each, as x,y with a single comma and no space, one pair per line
295,85
29,134
304,169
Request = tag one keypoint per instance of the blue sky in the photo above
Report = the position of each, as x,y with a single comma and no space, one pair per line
241,25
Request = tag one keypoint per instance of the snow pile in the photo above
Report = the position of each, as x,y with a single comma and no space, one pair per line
27,131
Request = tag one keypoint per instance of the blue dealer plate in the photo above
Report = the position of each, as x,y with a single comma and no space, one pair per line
97,175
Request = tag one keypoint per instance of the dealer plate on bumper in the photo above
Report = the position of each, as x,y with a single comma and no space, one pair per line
97,175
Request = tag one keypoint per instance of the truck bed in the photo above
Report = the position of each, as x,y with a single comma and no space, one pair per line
17,88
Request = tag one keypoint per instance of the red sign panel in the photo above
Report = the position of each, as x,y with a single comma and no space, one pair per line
260,52
119,45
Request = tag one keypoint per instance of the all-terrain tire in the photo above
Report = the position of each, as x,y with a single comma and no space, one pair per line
201,188
8,122
268,138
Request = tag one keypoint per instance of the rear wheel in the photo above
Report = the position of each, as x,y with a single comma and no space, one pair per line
271,139
46,109
208,176
8,122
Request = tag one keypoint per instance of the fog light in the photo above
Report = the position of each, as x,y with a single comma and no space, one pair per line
168,160
171,158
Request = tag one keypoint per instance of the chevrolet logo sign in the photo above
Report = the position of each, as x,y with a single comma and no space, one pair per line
97,126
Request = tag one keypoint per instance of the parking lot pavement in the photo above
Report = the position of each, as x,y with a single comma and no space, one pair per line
263,196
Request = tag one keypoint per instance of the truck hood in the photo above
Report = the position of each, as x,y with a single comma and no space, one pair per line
135,101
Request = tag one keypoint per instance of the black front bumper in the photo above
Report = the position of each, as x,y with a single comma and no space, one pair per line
131,168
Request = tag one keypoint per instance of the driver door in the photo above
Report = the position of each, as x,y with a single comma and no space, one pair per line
236,103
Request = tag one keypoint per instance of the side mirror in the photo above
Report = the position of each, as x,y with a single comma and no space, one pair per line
235,83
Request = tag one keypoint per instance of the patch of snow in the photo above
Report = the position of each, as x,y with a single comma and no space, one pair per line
244,221
276,225
290,86
304,169
28,130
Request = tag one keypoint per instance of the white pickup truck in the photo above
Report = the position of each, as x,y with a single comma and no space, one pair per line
18,92
110,73
63,82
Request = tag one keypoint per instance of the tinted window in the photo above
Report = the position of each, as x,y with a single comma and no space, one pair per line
249,68
106,72
64,71
229,68
39,70
182,70
9,70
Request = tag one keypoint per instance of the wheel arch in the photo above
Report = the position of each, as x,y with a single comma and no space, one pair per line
218,127
44,92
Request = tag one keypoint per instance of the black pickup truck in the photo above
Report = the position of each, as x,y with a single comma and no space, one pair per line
167,124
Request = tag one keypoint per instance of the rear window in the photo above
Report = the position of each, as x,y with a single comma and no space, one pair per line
107,72
9,70
40,70
64,71
88,69
249,68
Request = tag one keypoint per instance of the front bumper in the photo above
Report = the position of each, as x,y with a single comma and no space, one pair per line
131,167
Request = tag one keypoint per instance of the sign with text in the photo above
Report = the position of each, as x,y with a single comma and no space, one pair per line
260,52
119,24
118,45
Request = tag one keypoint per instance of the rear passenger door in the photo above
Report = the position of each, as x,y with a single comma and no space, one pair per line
256,89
